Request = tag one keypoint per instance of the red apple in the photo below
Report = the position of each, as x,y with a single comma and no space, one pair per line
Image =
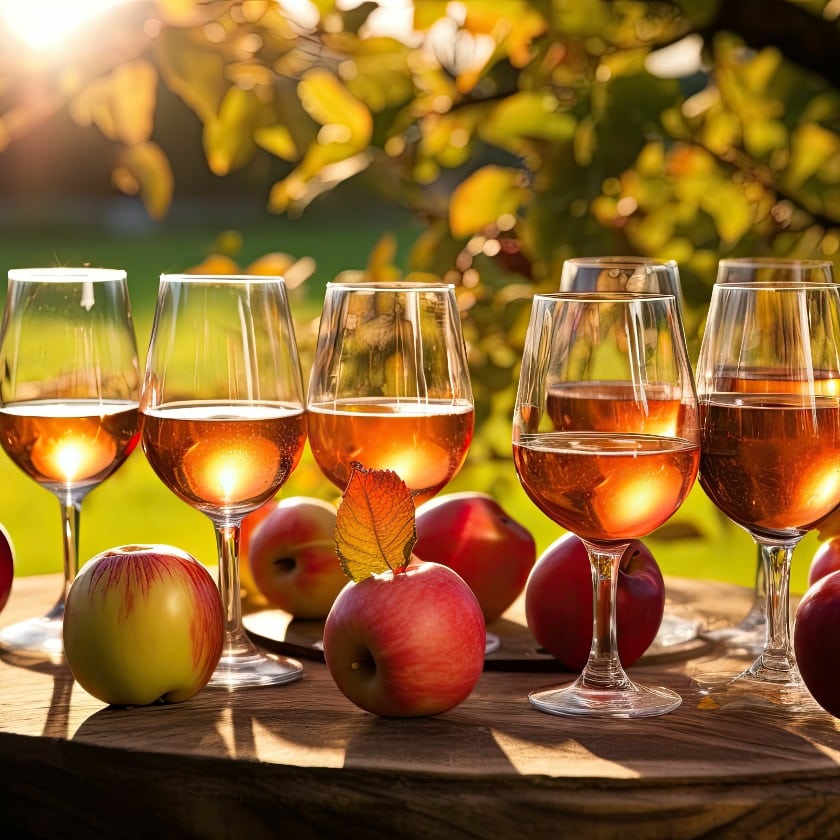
471,533
291,553
7,566
143,623
826,559
406,644
558,602
816,629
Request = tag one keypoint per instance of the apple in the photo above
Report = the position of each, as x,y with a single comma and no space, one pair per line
408,643
143,623
558,602
816,628
292,558
826,559
7,566
471,533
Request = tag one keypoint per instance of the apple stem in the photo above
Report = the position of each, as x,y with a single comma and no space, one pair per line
603,668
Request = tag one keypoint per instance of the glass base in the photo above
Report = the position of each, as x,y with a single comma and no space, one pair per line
243,669
491,643
675,630
748,637
627,701
748,690
34,639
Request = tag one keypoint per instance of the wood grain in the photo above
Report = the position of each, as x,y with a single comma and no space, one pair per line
301,761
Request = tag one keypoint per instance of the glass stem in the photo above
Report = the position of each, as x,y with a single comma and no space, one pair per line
71,509
227,544
604,669
776,661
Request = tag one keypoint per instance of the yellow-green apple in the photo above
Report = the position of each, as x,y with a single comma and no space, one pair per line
143,623
471,533
7,566
291,552
816,628
558,602
407,643
826,559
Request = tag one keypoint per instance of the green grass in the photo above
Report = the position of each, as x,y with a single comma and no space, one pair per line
133,506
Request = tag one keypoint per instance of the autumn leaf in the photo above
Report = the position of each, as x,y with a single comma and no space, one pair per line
375,528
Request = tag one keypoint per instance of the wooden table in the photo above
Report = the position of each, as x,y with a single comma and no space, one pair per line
301,761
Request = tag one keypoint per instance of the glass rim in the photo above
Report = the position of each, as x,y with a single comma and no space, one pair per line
630,259
775,262
222,278
67,274
391,285
778,285
617,296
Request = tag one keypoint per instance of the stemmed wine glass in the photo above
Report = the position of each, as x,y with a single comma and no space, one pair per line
69,386
636,274
389,385
620,356
770,418
749,634
224,424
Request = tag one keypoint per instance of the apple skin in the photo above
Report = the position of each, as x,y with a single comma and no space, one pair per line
826,559
292,557
143,623
816,628
406,644
7,566
558,602
471,533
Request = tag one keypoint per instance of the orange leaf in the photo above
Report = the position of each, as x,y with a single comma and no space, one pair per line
375,528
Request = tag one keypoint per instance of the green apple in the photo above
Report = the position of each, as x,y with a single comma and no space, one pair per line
143,623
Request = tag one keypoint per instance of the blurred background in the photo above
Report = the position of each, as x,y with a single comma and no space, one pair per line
481,142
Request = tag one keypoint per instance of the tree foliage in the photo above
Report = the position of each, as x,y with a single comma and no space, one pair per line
521,132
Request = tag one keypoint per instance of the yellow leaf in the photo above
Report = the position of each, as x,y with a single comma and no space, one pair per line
276,139
345,120
146,167
487,194
375,526
229,137
193,70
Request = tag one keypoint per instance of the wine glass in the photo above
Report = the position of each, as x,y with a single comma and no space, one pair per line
621,357
636,274
390,386
69,388
224,425
749,634
770,419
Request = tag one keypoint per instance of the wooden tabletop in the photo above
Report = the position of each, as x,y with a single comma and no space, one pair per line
301,761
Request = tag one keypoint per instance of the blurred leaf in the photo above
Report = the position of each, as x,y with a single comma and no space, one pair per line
375,528
276,139
229,137
144,168
193,69
812,146
483,197
347,122
121,105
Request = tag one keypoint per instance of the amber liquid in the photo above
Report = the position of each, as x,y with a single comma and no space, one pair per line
606,487
223,458
425,443
69,443
771,463
614,407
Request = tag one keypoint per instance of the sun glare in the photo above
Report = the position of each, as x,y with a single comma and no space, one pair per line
46,23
